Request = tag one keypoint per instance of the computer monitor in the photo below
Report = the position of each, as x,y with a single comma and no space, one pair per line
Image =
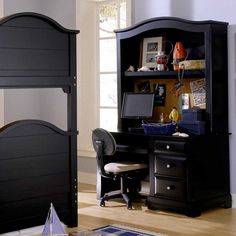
137,105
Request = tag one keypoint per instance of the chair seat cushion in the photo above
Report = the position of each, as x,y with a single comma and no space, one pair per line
118,167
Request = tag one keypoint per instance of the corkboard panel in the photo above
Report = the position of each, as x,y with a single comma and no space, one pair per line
171,100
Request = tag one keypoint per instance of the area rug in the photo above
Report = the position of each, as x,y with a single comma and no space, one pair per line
112,230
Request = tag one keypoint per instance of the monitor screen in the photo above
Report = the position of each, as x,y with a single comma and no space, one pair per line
137,105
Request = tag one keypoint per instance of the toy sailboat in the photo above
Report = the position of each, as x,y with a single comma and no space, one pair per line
53,225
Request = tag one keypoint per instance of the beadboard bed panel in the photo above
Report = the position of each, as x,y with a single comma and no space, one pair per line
38,161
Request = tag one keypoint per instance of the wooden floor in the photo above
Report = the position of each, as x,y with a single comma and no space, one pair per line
217,222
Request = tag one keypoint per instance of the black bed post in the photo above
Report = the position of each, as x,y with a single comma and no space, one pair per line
72,127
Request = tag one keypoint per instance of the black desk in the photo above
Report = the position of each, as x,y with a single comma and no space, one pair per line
185,174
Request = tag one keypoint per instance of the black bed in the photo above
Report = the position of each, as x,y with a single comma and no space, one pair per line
38,161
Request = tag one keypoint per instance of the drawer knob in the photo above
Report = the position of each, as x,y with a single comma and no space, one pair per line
170,165
167,147
170,187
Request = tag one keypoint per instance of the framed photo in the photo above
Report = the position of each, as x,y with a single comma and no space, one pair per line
185,101
160,94
198,89
144,87
150,48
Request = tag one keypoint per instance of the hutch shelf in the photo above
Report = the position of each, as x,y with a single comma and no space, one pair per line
154,74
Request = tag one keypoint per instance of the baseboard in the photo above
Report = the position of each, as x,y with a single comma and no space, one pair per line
233,200
34,231
87,178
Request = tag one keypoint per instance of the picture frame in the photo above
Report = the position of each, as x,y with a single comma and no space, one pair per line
198,89
185,101
160,94
150,47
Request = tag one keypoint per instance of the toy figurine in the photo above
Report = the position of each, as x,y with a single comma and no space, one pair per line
174,115
179,54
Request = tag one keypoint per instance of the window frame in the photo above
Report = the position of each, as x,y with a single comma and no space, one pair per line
100,73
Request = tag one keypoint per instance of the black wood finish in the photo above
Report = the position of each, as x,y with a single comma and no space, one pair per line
210,34
34,169
189,175
35,51
38,161
186,174
129,147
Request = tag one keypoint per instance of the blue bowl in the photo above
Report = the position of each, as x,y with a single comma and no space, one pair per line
159,128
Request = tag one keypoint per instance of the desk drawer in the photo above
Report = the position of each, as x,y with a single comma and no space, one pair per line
170,166
171,189
169,146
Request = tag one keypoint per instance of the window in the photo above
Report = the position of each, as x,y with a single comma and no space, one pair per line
112,15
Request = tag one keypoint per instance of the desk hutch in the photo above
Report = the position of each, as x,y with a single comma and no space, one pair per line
186,174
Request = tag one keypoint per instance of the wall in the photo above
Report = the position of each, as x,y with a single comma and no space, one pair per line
142,10
1,90
65,13
188,9
195,10
232,107
88,102
221,11
1,8
49,105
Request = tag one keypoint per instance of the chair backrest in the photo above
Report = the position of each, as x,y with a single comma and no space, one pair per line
104,144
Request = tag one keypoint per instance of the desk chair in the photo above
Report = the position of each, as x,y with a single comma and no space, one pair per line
105,145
